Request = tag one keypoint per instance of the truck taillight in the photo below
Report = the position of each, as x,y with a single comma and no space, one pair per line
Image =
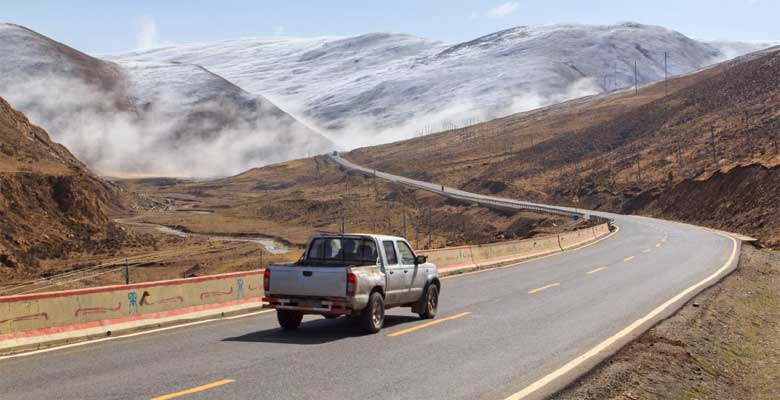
351,284
267,280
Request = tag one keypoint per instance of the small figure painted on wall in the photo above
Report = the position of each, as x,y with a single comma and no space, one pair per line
132,302
240,288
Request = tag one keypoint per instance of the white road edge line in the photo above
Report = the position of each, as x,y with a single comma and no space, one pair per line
167,328
624,332
617,229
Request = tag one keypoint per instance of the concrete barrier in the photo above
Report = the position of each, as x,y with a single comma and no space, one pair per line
452,257
26,320
469,257
600,230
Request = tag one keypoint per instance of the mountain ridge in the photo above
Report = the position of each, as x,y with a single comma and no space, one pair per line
139,118
398,85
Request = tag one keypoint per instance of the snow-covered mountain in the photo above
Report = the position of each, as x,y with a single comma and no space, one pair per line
146,117
395,85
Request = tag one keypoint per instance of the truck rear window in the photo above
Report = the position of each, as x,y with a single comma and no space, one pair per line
352,250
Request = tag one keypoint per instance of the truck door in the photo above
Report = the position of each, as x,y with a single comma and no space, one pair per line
394,271
419,274
411,293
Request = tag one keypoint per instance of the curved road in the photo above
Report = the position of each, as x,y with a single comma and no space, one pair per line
517,332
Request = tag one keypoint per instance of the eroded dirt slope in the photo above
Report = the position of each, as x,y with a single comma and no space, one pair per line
51,205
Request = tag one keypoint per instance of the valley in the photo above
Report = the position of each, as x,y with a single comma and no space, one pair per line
590,209
645,152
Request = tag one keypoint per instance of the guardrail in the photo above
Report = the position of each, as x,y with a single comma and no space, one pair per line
488,201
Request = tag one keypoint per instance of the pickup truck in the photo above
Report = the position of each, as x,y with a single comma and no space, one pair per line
356,275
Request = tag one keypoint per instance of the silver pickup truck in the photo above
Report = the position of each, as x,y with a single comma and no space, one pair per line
356,275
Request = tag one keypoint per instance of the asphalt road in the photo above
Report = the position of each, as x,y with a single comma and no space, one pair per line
508,328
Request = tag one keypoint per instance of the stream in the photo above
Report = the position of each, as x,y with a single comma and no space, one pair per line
269,245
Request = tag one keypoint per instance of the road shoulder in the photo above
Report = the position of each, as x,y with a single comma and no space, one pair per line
722,344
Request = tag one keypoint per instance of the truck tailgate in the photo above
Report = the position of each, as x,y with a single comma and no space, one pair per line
308,281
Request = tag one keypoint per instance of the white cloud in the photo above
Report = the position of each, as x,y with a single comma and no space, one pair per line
503,10
146,37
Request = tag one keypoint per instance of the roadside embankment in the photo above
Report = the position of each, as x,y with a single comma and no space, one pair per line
723,344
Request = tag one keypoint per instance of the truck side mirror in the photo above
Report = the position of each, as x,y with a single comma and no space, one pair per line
421,259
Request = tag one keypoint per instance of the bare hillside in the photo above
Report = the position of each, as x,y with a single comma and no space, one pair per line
50,203
710,138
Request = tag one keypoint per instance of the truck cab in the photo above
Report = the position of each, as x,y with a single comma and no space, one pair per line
357,275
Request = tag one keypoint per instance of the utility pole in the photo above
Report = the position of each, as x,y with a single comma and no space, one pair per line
261,257
615,76
680,165
639,170
127,273
666,73
747,134
712,146
430,231
403,213
636,80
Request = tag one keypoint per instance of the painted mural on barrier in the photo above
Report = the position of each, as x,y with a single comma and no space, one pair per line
39,312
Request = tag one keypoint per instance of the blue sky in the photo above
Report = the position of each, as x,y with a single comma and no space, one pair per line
110,26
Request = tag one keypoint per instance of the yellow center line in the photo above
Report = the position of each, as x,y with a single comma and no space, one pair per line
629,258
543,288
596,270
195,389
658,245
427,324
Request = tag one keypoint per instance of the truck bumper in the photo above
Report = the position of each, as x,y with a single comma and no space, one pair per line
309,306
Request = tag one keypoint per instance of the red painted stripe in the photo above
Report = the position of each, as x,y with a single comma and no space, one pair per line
109,322
35,296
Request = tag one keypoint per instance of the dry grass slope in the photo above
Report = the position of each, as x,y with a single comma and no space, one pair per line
50,205
713,139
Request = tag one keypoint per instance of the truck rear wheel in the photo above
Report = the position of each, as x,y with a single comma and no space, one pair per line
289,320
373,316
431,302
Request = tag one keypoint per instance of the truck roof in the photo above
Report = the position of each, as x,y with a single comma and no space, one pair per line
378,237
